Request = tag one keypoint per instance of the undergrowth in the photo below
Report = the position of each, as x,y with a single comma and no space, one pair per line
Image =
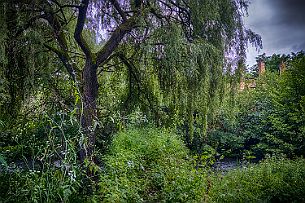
150,165
273,180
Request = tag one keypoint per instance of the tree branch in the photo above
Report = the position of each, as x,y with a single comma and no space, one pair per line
134,73
115,39
65,5
28,24
119,9
64,59
82,10
62,53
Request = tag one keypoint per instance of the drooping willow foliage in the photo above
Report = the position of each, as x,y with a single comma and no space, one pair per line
172,62
179,71
30,76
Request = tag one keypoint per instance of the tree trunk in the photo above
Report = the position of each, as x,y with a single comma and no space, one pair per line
89,112
15,67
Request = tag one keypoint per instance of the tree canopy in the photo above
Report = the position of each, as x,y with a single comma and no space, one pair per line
168,58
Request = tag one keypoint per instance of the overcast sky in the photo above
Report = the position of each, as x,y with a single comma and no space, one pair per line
281,24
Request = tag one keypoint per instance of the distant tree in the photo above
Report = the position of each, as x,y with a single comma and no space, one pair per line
274,61
271,117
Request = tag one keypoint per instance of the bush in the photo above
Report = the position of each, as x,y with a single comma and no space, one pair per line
273,180
149,165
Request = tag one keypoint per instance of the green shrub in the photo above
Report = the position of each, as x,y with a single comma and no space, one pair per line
150,165
273,180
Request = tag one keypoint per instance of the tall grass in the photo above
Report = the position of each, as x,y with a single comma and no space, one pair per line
47,170
273,180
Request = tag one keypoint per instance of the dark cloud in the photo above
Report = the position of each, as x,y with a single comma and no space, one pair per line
299,46
291,6
289,12
281,24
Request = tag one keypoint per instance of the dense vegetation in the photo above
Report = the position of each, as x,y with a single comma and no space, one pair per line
135,101
268,119
273,180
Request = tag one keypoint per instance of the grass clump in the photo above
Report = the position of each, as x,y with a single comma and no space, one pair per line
150,165
37,186
273,180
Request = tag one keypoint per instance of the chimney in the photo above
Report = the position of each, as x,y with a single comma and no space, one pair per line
261,67
242,84
282,67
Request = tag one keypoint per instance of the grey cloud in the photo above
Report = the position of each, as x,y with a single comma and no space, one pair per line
289,12
281,23
299,46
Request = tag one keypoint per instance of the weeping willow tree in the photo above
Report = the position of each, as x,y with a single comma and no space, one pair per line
184,65
167,54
